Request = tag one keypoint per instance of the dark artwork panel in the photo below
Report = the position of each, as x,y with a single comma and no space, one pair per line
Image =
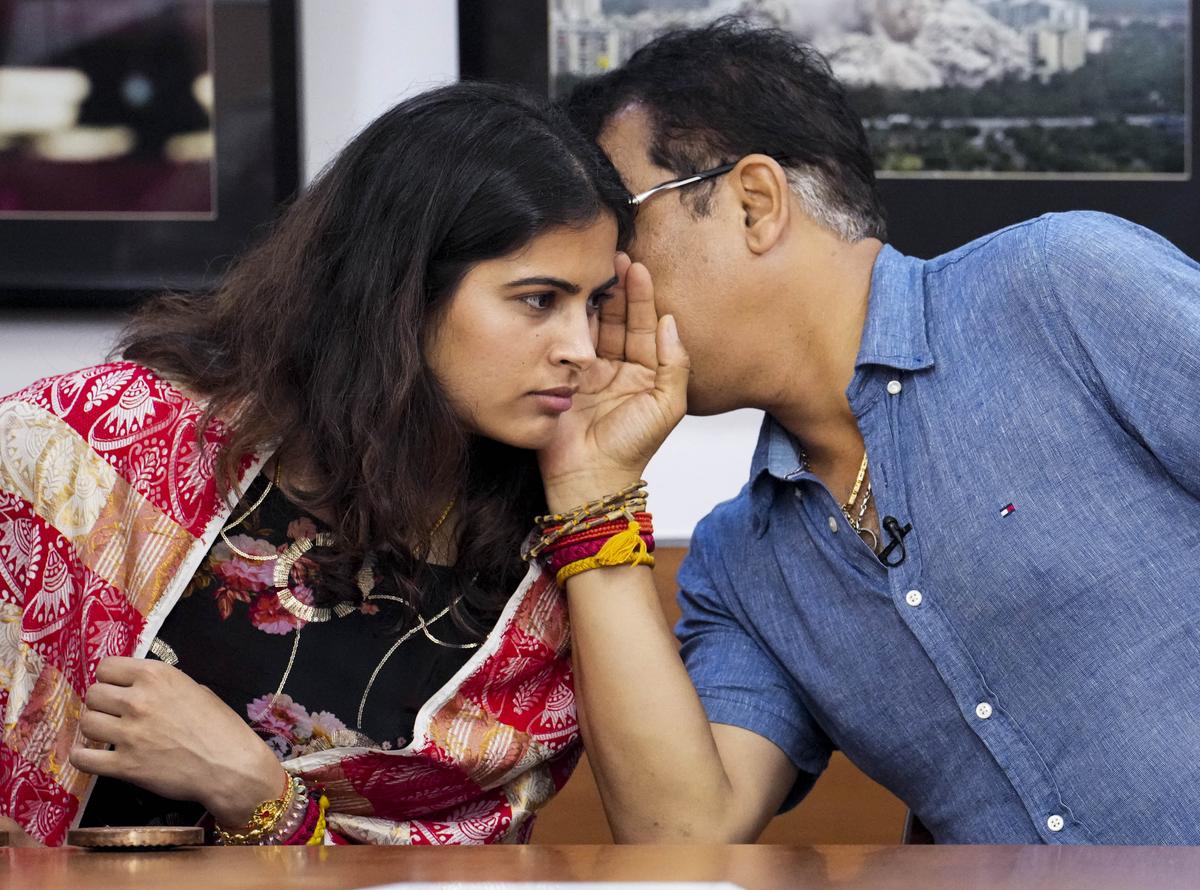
142,142
105,108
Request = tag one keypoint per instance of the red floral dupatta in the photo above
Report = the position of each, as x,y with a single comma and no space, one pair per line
108,504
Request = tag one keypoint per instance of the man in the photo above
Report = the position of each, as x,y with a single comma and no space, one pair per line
967,551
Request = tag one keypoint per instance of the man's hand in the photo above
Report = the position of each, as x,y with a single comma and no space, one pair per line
174,737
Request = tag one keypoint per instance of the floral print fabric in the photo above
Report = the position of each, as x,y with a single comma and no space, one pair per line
230,632
108,507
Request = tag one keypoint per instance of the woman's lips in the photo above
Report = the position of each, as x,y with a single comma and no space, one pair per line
556,400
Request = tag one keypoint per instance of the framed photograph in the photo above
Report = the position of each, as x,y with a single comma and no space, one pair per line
980,113
143,143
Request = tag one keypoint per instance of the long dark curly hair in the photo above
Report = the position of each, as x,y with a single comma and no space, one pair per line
314,344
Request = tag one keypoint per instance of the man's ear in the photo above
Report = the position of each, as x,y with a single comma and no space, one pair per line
762,189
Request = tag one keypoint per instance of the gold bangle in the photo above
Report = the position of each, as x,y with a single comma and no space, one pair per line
623,504
264,818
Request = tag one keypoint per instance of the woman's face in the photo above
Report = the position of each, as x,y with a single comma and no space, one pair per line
521,329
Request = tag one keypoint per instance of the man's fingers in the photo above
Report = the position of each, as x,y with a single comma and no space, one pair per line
641,318
611,342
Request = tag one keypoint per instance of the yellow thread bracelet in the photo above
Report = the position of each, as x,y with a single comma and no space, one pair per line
318,836
626,548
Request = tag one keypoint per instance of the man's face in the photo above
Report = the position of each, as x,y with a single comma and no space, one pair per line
693,260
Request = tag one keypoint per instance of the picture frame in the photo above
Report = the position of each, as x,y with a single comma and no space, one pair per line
928,215
115,259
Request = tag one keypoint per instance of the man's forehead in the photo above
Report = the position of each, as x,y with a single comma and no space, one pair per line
626,140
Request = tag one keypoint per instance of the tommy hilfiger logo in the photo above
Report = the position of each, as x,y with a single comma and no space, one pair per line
1008,508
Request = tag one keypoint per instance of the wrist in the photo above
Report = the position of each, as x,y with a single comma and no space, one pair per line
566,492
233,805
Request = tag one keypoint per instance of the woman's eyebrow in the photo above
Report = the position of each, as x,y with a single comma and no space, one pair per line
546,281
560,283
612,282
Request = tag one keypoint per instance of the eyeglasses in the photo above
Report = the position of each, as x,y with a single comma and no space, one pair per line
636,201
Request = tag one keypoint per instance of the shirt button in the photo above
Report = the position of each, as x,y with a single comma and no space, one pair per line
833,526
913,598
894,387
983,710
1055,823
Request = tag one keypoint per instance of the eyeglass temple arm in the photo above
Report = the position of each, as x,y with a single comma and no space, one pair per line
636,200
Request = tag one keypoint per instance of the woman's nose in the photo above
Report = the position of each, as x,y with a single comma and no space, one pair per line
575,344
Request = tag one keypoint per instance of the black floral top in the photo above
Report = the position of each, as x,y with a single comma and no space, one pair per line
231,633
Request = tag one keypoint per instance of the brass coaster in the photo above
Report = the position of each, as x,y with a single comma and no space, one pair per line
144,838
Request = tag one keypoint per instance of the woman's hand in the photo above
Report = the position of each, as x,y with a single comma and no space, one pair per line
174,737
629,399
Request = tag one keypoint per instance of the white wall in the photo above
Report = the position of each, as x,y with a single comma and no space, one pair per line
359,57
362,56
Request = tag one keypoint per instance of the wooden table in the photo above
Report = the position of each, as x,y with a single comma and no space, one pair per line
751,867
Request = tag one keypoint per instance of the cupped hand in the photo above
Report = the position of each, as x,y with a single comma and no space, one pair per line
630,397
174,737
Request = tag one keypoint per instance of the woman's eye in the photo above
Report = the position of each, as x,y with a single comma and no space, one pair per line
539,301
597,301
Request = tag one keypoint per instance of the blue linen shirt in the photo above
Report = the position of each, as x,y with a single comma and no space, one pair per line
1022,676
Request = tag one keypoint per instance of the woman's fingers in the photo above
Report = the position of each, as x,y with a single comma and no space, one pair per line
96,761
100,727
674,368
108,699
611,342
119,670
641,318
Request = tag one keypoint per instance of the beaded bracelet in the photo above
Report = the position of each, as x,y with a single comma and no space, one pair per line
600,533
308,823
644,520
556,526
295,819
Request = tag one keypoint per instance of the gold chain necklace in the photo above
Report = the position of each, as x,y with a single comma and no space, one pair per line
258,503
308,613
856,520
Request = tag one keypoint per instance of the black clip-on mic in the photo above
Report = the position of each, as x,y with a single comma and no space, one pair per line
892,526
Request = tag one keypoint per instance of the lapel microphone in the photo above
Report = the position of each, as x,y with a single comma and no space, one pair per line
897,533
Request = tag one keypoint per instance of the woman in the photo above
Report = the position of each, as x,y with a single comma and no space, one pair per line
286,528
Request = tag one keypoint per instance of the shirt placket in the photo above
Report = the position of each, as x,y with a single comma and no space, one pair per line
879,404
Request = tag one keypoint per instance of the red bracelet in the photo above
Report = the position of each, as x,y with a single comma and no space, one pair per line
607,530
567,555
600,535
620,522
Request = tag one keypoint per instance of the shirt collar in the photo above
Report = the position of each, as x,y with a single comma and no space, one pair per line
777,452
894,333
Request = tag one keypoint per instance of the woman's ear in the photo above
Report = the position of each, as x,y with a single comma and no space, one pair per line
762,189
